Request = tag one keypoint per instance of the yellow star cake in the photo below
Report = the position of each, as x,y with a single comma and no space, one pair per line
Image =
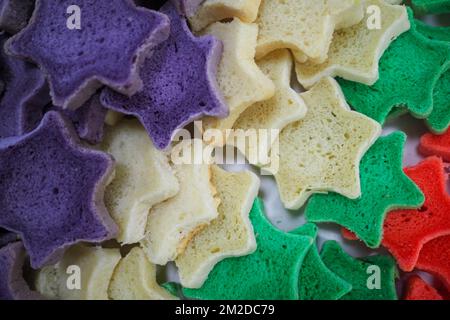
321,152
305,27
172,223
272,114
216,10
240,79
143,178
84,273
135,279
229,235
355,52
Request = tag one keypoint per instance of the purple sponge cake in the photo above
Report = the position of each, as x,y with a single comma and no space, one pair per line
179,83
51,190
107,46
25,94
12,284
14,14
88,120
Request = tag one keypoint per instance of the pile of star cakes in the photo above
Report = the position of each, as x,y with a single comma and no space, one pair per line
94,95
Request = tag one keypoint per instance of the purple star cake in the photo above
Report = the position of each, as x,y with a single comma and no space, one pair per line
179,83
14,14
106,45
88,120
51,190
12,284
24,94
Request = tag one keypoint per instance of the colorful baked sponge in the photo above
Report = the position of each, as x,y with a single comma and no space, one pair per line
417,289
436,145
241,81
355,52
88,120
271,272
212,11
96,266
321,152
406,231
384,187
272,115
431,6
134,278
408,73
179,84
12,284
229,235
14,14
173,223
316,281
52,190
434,259
143,178
305,27
24,94
372,278
439,119
107,48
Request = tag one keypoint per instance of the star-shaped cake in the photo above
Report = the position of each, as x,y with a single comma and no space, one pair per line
51,190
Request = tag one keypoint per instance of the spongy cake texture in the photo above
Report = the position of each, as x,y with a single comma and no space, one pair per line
431,6
358,271
384,187
316,281
321,152
355,52
409,71
79,61
406,231
240,80
12,284
229,235
14,14
24,94
305,27
271,272
216,10
179,84
284,107
52,190
434,259
436,145
417,289
88,119
134,278
439,119
143,178
171,224
96,266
